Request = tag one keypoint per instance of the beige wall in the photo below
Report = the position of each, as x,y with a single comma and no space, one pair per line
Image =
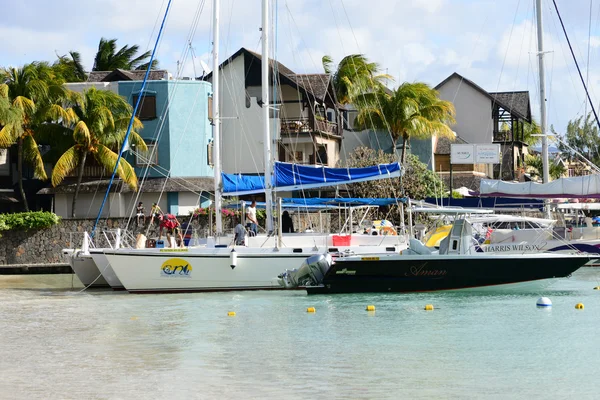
474,121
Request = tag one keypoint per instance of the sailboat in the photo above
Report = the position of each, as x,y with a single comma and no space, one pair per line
221,267
456,265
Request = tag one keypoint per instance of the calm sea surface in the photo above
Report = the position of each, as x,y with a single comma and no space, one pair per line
58,344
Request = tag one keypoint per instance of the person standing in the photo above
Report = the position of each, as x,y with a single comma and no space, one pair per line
239,233
252,223
287,225
155,212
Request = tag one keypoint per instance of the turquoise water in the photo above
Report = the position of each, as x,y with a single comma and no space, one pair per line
104,345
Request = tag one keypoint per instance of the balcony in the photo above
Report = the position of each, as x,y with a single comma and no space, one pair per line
308,125
90,171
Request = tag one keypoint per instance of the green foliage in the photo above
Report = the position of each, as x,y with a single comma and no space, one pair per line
28,220
535,167
70,68
529,130
413,110
583,136
418,182
108,58
354,76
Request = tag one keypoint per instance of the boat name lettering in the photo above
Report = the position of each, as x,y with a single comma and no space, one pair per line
420,270
345,272
515,247
173,250
176,267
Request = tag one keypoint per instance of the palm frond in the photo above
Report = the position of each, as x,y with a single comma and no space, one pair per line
31,153
82,135
327,63
26,105
65,165
7,136
108,159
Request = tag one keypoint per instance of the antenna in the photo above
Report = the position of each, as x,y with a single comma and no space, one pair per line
193,57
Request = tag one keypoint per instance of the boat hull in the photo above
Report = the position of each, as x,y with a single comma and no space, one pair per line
86,270
208,269
416,274
105,269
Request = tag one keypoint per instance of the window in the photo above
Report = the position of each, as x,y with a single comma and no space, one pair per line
322,155
147,107
143,157
349,117
295,157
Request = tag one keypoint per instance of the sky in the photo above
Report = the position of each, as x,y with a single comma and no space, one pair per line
491,42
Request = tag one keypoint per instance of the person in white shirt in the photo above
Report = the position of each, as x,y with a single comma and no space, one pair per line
251,222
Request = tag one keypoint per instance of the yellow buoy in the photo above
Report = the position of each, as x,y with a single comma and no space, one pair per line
429,307
311,309
231,314
597,288
579,306
370,308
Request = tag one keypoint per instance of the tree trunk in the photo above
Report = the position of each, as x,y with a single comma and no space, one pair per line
403,154
79,177
20,173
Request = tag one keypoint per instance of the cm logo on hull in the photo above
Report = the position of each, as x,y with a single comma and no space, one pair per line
176,268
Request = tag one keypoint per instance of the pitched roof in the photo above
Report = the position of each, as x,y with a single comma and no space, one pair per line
443,144
151,185
515,102
124,75
315,84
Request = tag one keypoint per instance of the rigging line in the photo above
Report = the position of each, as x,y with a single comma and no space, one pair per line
576,63
159,130
117,164
587,68
155,24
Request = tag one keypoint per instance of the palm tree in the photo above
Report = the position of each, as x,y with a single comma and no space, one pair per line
70,67
535,166
36,94
108,58
99,124
354,76
413,110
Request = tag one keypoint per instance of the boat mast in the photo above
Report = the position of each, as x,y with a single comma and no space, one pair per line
266,119
543,122
216,120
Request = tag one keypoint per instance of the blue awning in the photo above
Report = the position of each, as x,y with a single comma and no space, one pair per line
291,177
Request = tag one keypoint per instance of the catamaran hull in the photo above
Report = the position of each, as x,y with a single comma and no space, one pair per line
86,270
209,269
106,270
414,274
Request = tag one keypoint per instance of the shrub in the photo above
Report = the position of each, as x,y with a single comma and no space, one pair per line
28,220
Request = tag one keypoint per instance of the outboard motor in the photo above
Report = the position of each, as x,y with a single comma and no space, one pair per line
310,273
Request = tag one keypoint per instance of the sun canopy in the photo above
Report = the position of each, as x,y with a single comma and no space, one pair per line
577,187
291,177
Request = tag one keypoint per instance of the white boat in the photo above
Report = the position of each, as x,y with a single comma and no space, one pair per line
85,268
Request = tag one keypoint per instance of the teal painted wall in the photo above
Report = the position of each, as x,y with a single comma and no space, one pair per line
190,129
184,127
173,203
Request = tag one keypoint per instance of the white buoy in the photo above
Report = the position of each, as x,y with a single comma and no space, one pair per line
544,302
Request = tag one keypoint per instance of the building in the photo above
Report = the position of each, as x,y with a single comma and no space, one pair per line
305,115
178,134
481,118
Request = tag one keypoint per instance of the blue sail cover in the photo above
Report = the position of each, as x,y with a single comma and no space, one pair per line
289,177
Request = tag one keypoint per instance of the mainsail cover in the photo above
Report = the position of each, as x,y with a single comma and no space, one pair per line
291,177
576,187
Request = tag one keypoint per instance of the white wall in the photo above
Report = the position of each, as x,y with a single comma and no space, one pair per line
188,202
474,121
81,86
241,127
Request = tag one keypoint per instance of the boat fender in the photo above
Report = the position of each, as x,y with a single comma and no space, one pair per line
233,259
